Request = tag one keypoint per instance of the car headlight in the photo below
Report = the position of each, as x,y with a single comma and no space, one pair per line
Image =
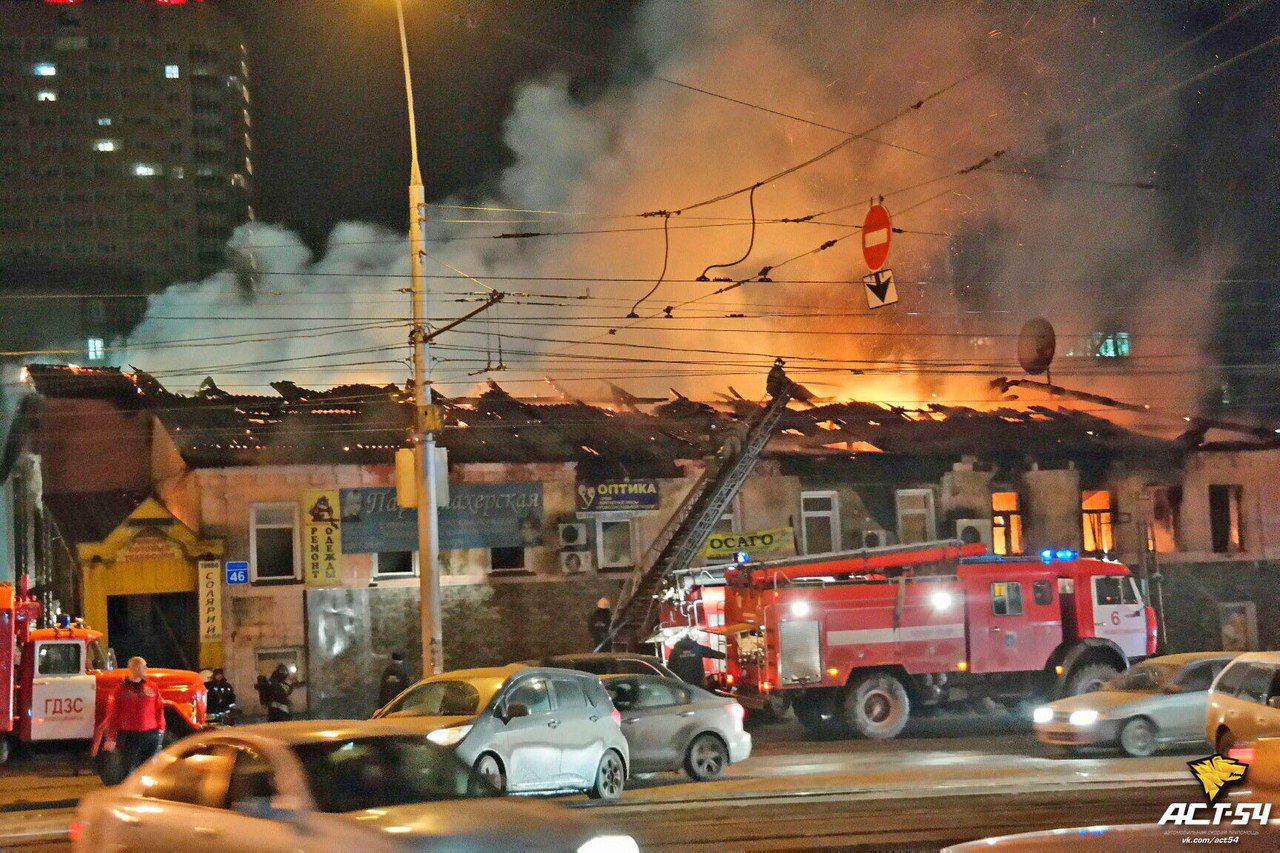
1086,717
1043,714
610,844
449,736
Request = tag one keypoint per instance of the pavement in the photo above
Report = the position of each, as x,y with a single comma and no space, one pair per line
946,779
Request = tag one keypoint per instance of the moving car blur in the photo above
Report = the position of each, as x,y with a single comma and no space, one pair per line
670,725
368,786
1244,702
525,729
1159,702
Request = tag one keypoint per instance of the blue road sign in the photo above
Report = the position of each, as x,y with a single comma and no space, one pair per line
237,573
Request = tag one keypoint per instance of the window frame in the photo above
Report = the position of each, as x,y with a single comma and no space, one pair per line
522,569
930,513
600,520
831,516
254,526
1098,525
1005,598
80,658
378,574
1008,524
1232,539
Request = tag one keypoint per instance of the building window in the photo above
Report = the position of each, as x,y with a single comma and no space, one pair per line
172,72
615,544
94,349
46,96
916,522
1095,510
820,522
273,542
1006,523
395,564
1110,344
105,145
1162,532
507,560
1224,518
44,69
145,170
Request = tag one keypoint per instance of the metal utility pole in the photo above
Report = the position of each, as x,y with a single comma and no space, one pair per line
424,440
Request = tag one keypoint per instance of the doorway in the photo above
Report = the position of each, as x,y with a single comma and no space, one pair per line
163,628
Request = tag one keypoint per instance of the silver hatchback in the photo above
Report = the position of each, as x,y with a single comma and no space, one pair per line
525,729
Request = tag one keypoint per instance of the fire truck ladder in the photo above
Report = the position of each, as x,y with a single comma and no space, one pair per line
687,531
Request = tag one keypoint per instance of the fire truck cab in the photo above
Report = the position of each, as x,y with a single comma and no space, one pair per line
861,639
56,683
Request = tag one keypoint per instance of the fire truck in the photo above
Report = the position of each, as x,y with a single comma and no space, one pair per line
860,640
56,683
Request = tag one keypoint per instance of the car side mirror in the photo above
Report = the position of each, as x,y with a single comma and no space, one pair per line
514,710
1273,702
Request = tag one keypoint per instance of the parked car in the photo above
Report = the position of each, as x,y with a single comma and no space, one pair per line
670,725
525,729
608,663
1158,702
1244,701
371,786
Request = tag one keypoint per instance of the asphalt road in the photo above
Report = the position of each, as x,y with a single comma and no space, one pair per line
946,780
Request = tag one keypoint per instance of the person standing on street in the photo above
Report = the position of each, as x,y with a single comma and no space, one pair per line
135,719
686,659
598,624
395,678
222,698
279,686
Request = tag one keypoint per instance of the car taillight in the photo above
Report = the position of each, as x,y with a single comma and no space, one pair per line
1243,754
617,717
75,830
1153,631
728,678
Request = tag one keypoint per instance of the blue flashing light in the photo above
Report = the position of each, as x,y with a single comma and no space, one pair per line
741,557
1049,555
1064,555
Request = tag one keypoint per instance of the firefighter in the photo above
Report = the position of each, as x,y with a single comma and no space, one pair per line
278,688
686,659
598,623
135,719
222,698
395,678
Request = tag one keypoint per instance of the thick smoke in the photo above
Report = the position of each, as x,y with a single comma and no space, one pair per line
981,254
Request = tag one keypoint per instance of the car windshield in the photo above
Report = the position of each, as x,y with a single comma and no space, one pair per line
390,770
439,699
1144,676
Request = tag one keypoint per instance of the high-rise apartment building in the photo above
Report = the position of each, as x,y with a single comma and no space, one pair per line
125,148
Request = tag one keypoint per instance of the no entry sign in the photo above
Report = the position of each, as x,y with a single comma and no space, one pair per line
876,232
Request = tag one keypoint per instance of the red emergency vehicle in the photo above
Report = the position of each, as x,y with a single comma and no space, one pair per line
55,683
862,638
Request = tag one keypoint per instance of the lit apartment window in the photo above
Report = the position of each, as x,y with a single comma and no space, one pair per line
1111,345
44,69
105,145
104,121
46,96
95,349
1006,523
172,72
145,170
1095,509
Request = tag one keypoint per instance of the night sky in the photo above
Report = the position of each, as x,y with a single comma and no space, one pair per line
330,133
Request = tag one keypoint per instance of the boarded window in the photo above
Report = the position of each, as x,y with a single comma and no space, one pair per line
916,522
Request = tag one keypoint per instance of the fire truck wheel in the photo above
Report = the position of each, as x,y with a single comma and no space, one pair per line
876,706
707,758
1138,737
1090,677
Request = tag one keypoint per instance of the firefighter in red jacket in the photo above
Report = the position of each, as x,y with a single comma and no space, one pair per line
135,719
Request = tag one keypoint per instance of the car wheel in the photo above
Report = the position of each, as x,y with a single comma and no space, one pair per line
1088,678
1138,737
611,776
489,768
876,706
707,758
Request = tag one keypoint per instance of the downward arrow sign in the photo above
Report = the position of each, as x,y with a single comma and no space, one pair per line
881,290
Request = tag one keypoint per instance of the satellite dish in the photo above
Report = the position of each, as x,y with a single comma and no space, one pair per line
1036,345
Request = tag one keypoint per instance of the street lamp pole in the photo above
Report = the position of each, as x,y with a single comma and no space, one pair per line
424,440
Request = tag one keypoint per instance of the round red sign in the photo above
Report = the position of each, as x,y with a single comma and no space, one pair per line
876,232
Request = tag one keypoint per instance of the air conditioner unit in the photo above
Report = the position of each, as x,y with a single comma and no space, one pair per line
973,531
577,562
573,535
875,538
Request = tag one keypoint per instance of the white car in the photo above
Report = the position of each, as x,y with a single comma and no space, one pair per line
321,786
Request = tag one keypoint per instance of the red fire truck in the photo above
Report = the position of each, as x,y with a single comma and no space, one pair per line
860,639
56,683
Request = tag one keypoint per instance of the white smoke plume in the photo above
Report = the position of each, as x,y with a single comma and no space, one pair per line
982,253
